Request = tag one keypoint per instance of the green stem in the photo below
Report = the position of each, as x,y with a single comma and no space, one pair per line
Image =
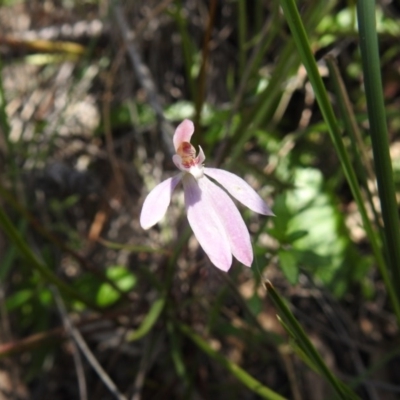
362,160
202,79
6,130
379,134
304,48
187,49
27,253
294,328
242,32
254,385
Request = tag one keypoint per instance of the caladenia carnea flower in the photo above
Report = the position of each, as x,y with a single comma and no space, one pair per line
213,216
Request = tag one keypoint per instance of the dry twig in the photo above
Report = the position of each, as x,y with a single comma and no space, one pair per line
78,338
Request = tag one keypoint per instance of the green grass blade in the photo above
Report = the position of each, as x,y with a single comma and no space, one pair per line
5,126
363,165
265,106
149,321
10,255
307,57
379,134
268,99
254,385
6,130
296,331
41,268
188,48
176,354
242,33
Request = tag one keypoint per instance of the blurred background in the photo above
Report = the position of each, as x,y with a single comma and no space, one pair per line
90,94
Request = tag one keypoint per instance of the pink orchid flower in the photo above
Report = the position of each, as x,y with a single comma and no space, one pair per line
213,216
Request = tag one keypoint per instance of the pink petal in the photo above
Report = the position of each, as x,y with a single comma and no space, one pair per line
240,190
200,157
235,228
177,159
196,170
157,202
206,224
183,133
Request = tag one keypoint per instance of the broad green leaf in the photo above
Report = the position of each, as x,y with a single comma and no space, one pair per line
18,299
289,265
124,280
292,237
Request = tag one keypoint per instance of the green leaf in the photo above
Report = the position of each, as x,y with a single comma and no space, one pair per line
292,237
289,265
123,279
313,220
149,321
314,359
18,299
370,56
254,385
300,37
255,304
36,263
